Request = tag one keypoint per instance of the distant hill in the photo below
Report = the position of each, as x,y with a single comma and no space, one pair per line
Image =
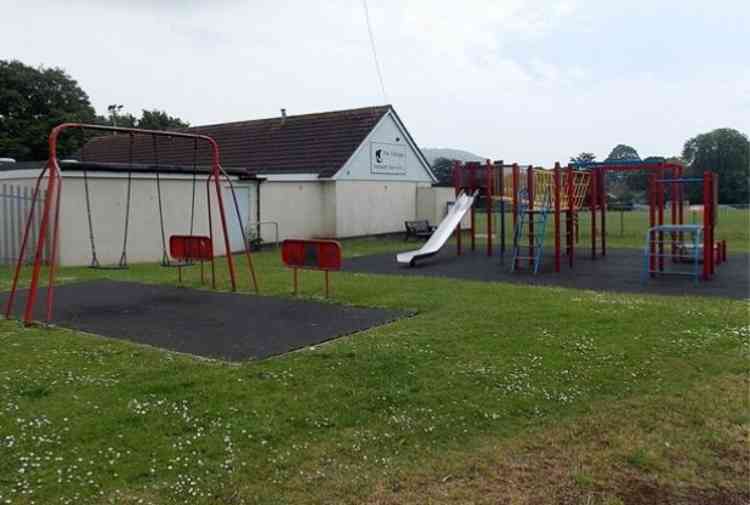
433,153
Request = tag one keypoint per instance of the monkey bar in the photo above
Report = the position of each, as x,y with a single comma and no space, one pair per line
50,220
712,252
599,171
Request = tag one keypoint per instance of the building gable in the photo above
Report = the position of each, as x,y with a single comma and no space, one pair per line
388,153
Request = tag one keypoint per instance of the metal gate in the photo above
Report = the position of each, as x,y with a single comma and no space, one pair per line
15,204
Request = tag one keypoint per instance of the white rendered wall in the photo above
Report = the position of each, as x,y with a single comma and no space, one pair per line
432,203
298,207
19,178
371,208
108,202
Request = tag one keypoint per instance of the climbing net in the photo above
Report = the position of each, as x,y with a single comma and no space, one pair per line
573,191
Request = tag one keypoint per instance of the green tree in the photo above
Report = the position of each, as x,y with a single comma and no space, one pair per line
623,152
32,101
583,157
637,181
443,170
160,120
725,151
149,120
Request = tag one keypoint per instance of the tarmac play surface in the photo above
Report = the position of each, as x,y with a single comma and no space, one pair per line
211,324
619,271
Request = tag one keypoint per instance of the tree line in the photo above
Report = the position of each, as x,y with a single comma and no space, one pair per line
725,151
34,100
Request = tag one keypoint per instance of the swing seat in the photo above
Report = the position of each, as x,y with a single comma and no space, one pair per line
176,264
108,267
187,249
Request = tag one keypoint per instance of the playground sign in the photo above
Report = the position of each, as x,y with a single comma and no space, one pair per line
322,255
388,159
191,247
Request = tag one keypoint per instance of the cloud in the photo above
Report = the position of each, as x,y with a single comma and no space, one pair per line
532,80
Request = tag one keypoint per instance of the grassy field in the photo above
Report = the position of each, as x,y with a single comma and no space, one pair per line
628,229
492,393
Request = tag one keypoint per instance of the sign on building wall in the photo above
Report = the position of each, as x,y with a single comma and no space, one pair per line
387,159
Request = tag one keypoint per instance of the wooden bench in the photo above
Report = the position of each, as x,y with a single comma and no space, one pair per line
420,229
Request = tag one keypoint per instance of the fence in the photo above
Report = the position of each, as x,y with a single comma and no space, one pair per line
15,204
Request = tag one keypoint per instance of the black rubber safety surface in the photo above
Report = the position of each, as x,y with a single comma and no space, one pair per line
226,326
619,271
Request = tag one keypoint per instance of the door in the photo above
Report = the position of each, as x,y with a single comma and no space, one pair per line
234,227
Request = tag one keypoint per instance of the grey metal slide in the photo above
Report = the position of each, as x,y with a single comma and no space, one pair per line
438,239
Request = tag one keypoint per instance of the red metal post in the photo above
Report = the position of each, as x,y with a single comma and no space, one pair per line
706,226
490,191
530,210
651,221
55,249
474,185
24,242
592,201
250,266
681,192
457,176
674,218
211,230
572,229
501,192
223,217
557,182
514,196
660,215
28,315
473,223
603,208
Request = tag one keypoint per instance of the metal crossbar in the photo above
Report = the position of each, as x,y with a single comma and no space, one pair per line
679,250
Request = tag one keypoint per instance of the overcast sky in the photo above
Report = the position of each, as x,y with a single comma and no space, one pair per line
528,81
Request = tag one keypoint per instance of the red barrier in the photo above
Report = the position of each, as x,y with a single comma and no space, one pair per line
191,247
322,255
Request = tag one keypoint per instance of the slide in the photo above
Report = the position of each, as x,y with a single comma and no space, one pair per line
438,239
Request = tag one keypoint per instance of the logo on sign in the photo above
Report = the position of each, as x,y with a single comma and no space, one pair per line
388,159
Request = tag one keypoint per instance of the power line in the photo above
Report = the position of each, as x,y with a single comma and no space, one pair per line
374,52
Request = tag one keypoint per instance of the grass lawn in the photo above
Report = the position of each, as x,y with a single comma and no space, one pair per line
492,393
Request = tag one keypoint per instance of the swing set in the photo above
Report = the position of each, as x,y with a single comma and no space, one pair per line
183,251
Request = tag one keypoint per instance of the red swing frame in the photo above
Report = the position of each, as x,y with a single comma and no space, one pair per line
51,216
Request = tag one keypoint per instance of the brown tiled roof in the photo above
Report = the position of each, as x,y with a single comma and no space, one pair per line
310,143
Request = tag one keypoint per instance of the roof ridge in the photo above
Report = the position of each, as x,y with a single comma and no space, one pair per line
291,116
